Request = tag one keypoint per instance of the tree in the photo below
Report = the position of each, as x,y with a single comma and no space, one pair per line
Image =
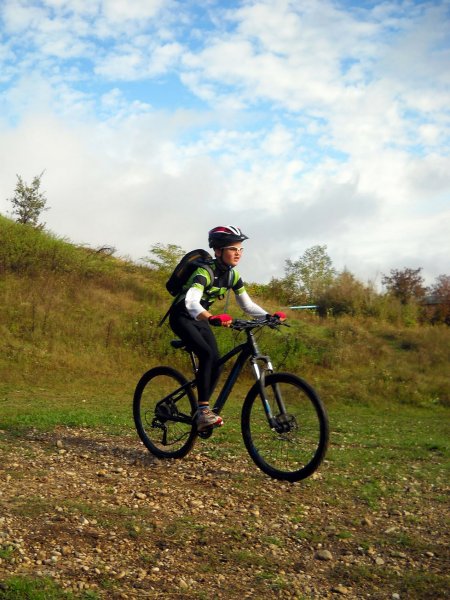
345,295
285,290
312,272
440,300
165,257
406,284
28,202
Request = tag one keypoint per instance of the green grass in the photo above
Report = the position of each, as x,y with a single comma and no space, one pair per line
107,413
386,448
6,552
78,328
380,458
412,584
368,437
25,588
75,321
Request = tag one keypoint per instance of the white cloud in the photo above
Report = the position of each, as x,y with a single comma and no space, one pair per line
320,124
299,69
122,10
132,63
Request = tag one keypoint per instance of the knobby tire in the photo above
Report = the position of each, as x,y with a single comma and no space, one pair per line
294,454
163,435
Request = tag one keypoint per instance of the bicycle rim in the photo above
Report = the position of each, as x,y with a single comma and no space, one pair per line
297,452
162,414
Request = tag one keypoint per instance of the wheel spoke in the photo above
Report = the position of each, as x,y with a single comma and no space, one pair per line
294,448
162,409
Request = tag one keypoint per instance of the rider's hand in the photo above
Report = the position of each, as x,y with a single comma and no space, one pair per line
223,320
280,315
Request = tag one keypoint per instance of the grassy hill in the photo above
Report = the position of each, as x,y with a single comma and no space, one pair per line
76,322
87,513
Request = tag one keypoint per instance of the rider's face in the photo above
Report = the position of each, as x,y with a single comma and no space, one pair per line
231,254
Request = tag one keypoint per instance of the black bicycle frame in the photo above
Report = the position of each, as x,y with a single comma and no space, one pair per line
244,354
248,349
245,351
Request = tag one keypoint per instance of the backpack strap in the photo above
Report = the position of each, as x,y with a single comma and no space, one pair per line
205,266
208,268
231,282
168,311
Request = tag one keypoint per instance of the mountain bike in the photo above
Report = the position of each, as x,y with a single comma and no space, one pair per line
284,423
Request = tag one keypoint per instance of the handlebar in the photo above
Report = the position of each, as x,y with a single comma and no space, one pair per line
267,321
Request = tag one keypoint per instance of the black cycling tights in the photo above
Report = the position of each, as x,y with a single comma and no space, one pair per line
199,337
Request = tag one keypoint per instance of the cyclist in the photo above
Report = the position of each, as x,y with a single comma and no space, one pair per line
190,318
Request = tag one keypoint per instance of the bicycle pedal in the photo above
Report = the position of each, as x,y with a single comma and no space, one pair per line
206,433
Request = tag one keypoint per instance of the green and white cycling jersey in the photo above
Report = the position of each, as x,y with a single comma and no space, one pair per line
199,293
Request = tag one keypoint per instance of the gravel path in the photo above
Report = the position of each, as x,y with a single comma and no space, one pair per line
104,519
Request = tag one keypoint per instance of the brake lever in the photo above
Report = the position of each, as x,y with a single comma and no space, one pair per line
277,323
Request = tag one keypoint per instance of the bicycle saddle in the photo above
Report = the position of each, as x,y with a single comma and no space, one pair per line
178,344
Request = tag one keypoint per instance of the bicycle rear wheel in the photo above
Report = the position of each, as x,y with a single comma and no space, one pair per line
163,406
296,446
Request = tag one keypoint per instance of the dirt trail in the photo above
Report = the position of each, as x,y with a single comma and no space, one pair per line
98,514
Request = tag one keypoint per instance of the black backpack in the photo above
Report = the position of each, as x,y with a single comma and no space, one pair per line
184,269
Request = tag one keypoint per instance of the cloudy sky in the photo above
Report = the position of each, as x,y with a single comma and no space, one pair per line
304,122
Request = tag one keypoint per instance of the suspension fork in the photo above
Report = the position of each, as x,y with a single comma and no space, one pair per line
260,376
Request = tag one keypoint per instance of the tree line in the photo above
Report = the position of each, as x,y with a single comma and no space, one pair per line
309,280
312,280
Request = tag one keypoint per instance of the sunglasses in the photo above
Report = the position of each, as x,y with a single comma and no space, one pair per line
234,249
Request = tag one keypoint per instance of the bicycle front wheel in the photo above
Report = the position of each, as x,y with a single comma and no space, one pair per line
294,445
163,406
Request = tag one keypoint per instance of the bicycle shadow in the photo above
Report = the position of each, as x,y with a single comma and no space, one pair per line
99,445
